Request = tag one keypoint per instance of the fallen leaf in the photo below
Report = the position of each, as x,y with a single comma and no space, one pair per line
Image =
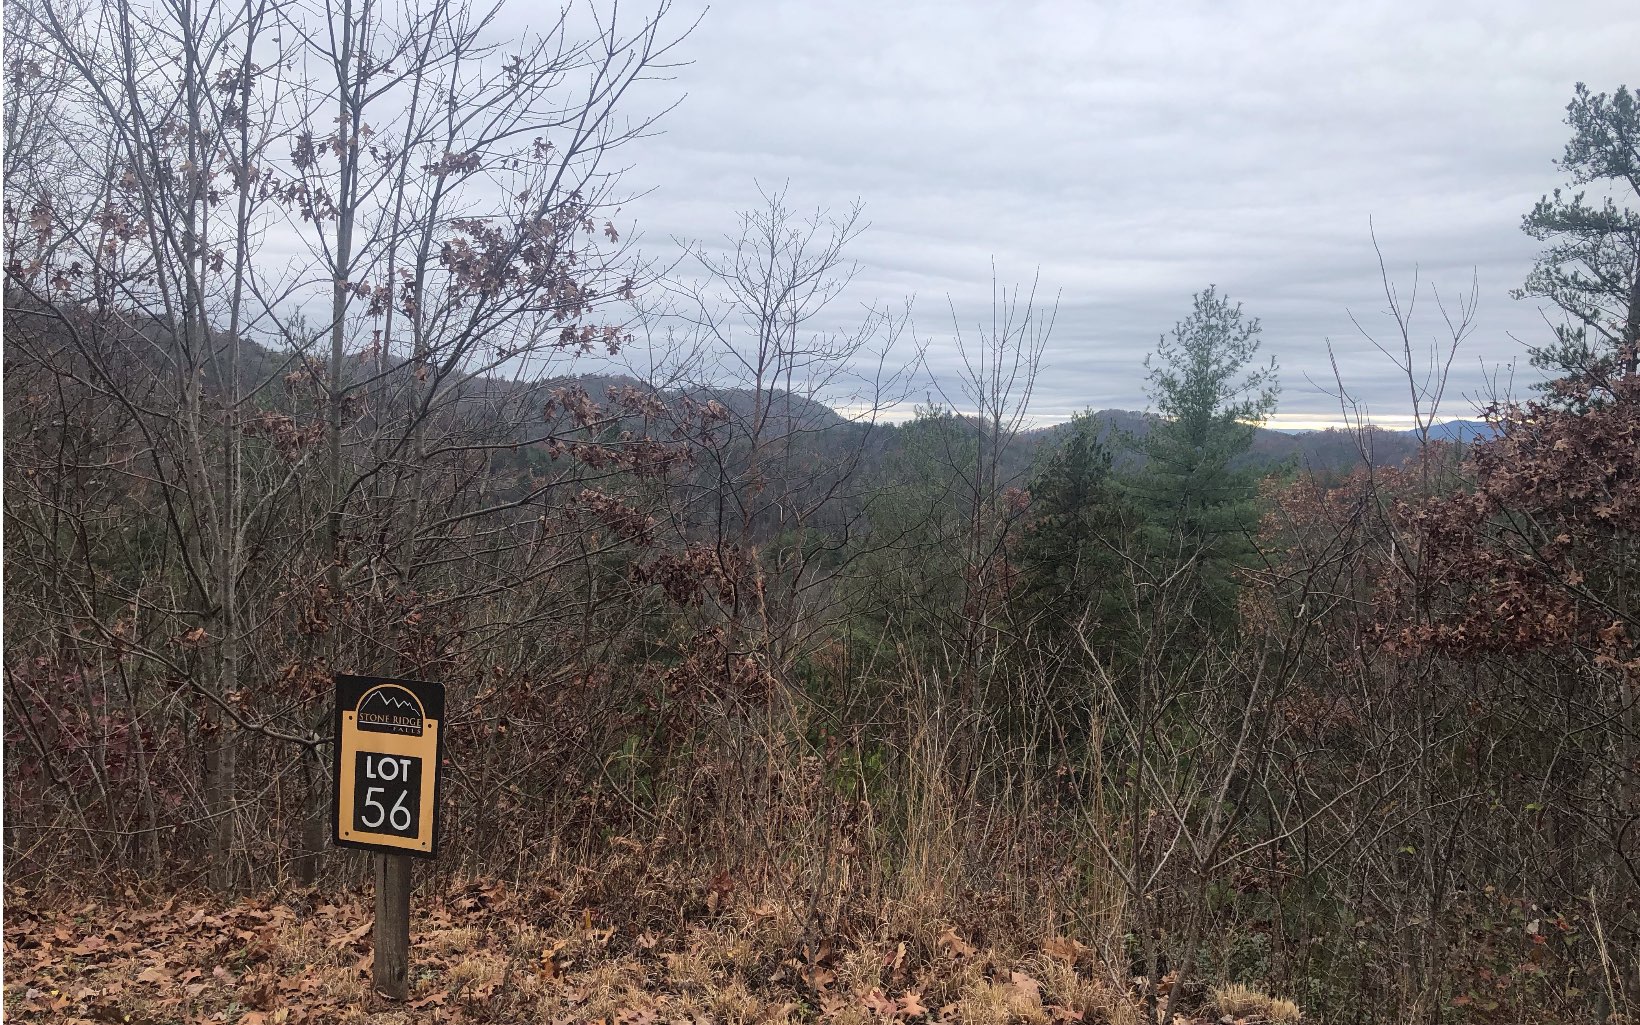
818,978
1027,985
880,1005
1064,948
956,944
549,959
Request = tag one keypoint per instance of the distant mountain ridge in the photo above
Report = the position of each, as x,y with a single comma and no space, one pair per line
1328,450
1461,431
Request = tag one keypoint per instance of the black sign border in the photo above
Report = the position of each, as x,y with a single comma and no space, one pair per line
350,690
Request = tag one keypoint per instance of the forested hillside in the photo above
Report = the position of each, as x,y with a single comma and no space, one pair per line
761,707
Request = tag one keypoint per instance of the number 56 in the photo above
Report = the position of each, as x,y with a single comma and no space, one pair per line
382,812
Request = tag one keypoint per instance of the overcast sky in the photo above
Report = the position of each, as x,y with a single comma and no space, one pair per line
1134,153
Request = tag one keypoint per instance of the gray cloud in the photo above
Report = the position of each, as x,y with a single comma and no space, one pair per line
1133,153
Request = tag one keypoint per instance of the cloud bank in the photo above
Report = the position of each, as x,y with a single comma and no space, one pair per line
1133,153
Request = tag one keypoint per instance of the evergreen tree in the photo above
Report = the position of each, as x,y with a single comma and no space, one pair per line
1591,269
1195,500
1071,555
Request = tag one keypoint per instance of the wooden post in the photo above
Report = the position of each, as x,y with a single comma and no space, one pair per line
392,969
388,752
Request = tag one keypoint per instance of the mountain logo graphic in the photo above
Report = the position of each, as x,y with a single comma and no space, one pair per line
390,708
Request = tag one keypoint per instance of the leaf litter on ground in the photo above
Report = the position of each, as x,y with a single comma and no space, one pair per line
485,953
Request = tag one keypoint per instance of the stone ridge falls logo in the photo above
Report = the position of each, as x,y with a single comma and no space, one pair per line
390,708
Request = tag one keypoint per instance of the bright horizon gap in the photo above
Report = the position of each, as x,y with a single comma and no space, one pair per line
904,412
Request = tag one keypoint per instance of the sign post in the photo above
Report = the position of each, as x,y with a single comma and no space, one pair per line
389,753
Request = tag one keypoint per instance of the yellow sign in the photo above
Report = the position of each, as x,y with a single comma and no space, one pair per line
389,752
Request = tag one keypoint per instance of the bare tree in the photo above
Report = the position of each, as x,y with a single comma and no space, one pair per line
1000,364
778,507
457,207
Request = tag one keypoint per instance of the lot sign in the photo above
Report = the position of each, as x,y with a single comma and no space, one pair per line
389,749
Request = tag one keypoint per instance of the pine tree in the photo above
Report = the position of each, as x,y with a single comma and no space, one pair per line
1196,501
1591,269
1071,555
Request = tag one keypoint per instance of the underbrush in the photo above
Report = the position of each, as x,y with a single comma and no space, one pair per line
775,869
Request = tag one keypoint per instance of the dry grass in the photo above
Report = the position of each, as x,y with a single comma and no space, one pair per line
945,981
601,993
448,942
690,969
478,971
1247,1003
1002,1003
526,942
1064,986
345,986
860,970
